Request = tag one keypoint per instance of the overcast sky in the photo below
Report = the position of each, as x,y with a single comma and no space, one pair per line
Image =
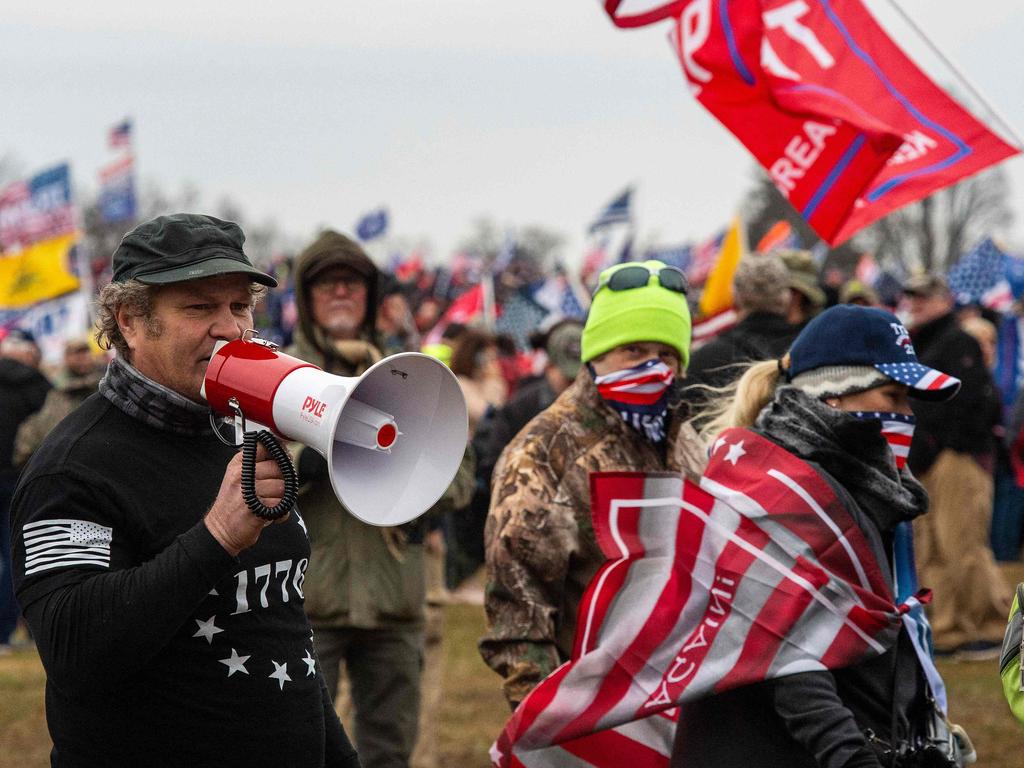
315,112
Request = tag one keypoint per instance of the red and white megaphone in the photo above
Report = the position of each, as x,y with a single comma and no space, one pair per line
393,438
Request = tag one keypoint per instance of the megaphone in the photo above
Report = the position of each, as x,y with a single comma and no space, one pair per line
393,438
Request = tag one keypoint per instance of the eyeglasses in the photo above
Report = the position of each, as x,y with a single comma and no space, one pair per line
329,283
637,276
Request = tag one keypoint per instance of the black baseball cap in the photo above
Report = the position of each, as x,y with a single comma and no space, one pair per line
183,246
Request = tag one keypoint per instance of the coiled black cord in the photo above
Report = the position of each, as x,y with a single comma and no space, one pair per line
280,455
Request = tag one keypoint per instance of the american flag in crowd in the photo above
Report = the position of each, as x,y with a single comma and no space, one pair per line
704,257
557,296
758,573
520,316
616,212
60,543
120,135
678,256
980,277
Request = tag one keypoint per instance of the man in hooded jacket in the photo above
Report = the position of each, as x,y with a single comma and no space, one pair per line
364,587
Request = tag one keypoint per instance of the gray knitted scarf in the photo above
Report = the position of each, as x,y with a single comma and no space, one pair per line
150,402
852,450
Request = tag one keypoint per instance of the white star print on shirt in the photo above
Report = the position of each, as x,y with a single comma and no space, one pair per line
736,451
207,629
311,663
235,663
280,673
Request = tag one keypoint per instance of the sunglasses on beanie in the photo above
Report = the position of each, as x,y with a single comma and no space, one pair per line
638,275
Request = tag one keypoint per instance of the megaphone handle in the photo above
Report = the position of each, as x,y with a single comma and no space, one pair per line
284,461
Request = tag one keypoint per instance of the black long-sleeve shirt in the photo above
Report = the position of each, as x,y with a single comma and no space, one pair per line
161,648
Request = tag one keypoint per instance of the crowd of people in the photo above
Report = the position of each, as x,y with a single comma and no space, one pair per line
137,566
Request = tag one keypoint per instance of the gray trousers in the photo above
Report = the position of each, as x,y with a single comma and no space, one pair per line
383,667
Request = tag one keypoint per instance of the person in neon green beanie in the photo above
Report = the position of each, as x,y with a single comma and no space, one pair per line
621,414
648,313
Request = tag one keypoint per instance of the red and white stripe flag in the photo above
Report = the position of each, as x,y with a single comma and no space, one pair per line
758,573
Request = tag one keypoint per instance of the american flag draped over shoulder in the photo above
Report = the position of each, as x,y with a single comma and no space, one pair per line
758,573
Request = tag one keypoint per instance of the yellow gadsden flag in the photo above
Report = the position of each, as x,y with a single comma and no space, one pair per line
717,296
38,272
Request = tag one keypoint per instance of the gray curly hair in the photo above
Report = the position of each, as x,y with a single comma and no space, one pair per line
138,299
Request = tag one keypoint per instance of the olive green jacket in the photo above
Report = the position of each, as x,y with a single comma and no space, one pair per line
359,575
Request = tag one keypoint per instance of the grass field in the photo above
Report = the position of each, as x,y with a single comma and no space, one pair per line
474,710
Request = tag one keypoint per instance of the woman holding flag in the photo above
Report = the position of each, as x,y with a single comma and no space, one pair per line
839,401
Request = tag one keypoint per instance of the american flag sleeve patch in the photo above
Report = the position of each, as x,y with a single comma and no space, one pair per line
61,543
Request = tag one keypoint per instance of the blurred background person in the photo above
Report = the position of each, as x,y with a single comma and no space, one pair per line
953,455
560,346
23,390
475,364
364,587
806,297
1007,527
79,378
761,294
396,327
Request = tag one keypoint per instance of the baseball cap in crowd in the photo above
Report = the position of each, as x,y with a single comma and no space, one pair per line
639,301
183,246
803,274
926,285
563,347
848,349
857,290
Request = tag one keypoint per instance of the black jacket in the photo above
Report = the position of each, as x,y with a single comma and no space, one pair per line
758,336
160,648
505,423
22,392
964,424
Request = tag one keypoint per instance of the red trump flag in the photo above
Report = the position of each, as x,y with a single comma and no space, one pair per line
758,573
846,125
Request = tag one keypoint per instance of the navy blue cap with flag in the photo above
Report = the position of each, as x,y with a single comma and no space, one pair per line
849,335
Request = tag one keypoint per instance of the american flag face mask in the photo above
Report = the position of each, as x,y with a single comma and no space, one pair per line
639,395
897,429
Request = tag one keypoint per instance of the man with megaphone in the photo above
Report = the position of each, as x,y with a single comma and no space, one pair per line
168,616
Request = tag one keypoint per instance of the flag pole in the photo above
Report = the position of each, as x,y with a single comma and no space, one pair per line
960,74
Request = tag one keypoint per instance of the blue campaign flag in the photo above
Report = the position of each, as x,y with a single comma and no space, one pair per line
117,191
616,212
372,225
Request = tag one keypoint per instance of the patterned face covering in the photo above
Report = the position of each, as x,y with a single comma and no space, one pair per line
639,395
897,429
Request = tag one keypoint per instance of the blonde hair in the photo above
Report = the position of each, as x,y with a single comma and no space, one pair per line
739,403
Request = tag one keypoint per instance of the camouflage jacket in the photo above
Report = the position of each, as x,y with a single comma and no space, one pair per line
541,551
